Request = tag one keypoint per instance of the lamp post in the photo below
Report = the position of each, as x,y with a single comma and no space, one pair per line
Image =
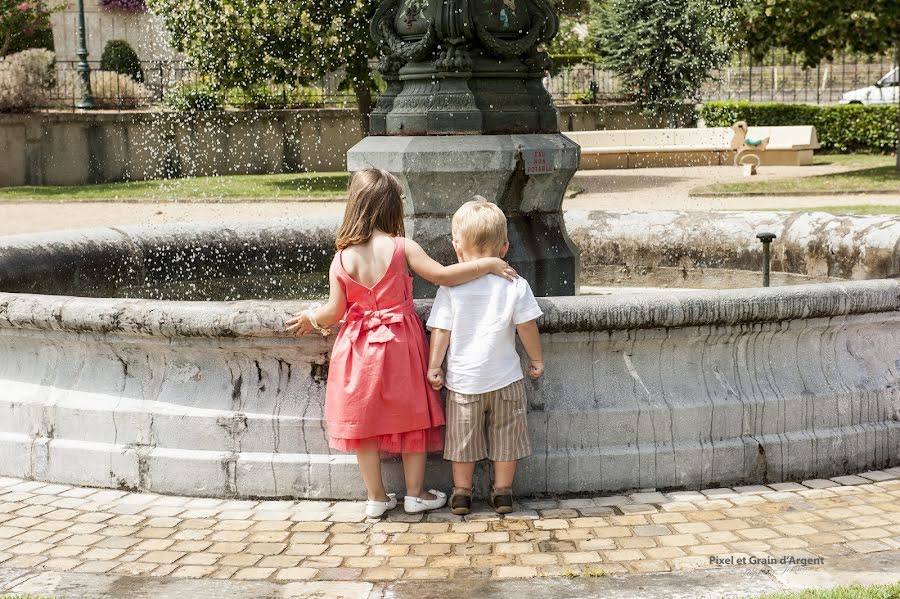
84,69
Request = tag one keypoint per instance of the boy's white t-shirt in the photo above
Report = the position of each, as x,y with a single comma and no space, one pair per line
481,316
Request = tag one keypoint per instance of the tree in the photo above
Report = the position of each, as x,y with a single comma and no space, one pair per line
245,44
662,50
817,29
23,24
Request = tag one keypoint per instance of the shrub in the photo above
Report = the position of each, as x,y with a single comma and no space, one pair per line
661,50
110,89
120,57
840,128
40,37
25,79
560,62
192,97
24,24
125,5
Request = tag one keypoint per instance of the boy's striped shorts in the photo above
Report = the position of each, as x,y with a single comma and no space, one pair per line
488,425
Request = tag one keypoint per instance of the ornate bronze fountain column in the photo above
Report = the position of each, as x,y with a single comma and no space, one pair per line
465,112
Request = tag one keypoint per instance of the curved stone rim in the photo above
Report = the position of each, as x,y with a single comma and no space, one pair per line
255,318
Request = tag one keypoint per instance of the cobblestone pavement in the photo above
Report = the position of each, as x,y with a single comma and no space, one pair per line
82,530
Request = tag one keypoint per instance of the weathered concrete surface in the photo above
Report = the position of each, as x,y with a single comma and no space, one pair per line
665,390
288,257
526,175
727,582
71,148
65,148
627,247
269,259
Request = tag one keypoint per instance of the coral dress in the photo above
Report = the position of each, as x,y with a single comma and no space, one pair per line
377,387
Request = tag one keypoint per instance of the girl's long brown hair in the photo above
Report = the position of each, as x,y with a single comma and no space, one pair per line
376,202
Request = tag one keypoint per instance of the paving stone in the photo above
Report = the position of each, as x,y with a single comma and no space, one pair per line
651,530
752,489
612,500
636,542
850,480
193,571
363,562
647,566
651,497
253,573
538,559
787,486
686,496
200,559
678,540
550,524
24,561
515,572
95,567
718,492
820,483
240,560
867,546
413,561
596,544
382,573
427,574
664,552
152,544
623,555
638,508
286,574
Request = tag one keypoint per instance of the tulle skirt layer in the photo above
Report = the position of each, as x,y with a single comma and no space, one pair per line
429,439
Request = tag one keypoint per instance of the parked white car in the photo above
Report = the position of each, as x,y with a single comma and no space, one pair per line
885,91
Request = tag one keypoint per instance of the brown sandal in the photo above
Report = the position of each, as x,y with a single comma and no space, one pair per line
461,501
501,500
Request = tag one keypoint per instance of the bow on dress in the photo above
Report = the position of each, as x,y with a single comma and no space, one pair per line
360,319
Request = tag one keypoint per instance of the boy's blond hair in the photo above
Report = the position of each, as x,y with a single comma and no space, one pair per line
480,225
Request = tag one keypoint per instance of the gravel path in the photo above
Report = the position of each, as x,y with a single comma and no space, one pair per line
638,189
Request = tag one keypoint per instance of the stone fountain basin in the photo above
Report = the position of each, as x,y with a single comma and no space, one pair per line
665,389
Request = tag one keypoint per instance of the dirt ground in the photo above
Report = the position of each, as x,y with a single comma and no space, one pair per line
625,190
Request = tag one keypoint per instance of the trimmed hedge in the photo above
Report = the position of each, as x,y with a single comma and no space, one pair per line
120,57
840,128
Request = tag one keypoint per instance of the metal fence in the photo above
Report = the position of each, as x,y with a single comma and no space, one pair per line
171,83
780,78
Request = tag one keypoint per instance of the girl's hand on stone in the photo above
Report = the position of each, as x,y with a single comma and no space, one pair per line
499,267
436,378
299,324
536,368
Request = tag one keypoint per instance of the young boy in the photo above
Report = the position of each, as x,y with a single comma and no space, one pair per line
477,322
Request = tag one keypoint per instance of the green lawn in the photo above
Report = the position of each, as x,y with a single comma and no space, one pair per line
860,160
290,186
873,174
891,591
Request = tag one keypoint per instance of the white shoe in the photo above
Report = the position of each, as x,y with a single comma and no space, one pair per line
376,509
415,505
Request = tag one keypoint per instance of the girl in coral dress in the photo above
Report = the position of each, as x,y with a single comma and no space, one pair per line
378,399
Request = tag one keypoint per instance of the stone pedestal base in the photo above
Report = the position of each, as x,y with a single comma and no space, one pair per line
526,175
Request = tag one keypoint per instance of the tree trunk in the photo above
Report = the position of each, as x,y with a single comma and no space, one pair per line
363,104
897,65
358,71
